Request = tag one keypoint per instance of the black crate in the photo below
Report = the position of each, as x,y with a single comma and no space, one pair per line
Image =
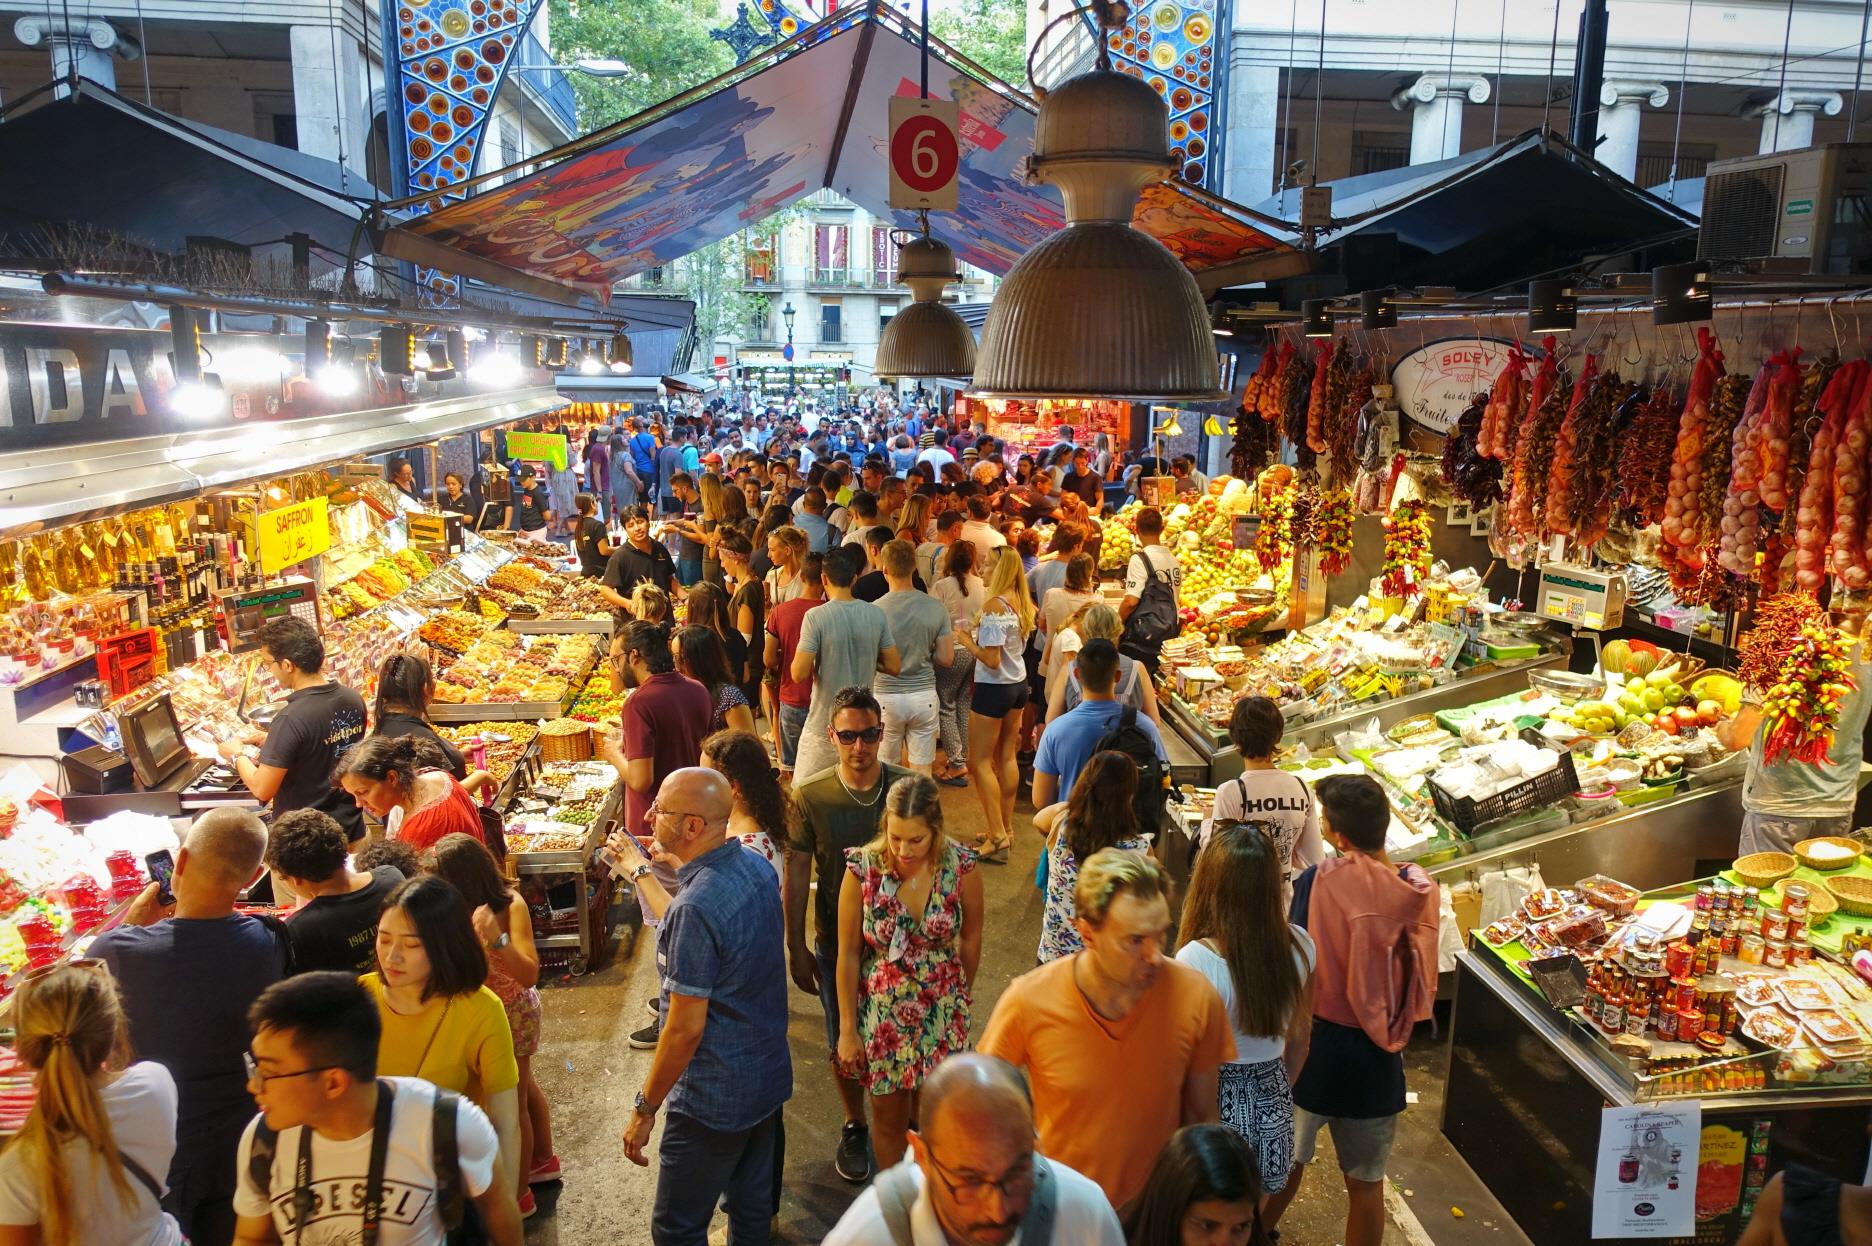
1546,791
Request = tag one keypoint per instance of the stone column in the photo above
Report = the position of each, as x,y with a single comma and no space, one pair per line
86,44
1253,148
1436,118
1620,105
330,104
1788,118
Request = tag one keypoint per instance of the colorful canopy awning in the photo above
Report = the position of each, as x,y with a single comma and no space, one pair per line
811,114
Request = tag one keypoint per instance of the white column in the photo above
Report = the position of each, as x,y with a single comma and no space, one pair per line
331,106
1436,104
1253,145
1788,118
1620,105
86,44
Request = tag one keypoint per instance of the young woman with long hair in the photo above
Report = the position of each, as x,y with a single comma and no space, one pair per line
910,922
700,656
787,546
1202,1192
1097,814
440,1021
404,782
505,927
708,607
997,639
764,816
1061,604
1236,934
590,538
959,589
88,1165
405,685
913,520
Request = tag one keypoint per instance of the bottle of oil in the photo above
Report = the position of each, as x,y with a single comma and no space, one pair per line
66,576
85,543
33,570
12,585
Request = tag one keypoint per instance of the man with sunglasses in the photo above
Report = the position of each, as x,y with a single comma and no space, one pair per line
331,1133
721,1067
840,808
973,1177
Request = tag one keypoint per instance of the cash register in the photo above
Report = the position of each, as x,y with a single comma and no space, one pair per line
170,781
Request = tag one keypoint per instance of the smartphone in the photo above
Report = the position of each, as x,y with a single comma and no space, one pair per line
161,869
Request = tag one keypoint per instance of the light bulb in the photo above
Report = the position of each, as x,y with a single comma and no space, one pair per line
495,371
197,400
339,382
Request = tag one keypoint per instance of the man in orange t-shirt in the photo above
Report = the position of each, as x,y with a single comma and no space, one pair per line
1121,1044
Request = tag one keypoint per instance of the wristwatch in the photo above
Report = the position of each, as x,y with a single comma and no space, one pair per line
645,1107
637,875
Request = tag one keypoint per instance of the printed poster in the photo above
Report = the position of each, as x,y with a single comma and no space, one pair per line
1644,1183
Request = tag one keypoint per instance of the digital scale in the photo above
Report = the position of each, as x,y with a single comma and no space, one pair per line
1585,597
245,610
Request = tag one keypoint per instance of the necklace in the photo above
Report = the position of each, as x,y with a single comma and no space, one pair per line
863,804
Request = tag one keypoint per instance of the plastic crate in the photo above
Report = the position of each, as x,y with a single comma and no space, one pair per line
1545,791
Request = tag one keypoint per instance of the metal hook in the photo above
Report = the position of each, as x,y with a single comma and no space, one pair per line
1834,324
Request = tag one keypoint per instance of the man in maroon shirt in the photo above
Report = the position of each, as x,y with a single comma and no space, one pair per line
665,717
784,622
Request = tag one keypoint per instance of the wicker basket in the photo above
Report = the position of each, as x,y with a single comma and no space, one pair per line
1764,869
1853,847
565,739
1853,893
1820,902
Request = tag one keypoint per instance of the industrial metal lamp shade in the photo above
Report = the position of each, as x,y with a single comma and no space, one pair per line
1099,310
1680,293
1552,306
926,339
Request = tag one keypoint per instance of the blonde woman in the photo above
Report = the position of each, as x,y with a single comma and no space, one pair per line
913,521
997,640
1097,621
910,926
88,1164
787,547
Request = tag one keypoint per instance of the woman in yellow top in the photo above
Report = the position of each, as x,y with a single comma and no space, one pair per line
440,1022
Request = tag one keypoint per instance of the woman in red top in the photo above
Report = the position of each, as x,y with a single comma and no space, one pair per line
404,781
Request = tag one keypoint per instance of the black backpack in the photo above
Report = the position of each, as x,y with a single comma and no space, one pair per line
1153,787
1155,618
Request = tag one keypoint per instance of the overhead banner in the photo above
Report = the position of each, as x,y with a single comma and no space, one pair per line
292,534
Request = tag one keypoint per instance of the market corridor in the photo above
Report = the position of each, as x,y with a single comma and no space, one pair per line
589,1073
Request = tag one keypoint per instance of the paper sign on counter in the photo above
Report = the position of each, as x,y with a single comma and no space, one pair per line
1644,1183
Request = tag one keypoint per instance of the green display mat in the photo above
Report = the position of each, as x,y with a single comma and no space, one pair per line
1829,935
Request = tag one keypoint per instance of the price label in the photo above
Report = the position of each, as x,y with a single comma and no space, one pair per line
925,157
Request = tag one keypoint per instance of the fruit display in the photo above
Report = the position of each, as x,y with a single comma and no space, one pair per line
452,632
506,742
596,702
1224,589
562,798
380,581
528,587
502,667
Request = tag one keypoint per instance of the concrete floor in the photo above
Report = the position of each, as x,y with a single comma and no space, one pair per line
590,1075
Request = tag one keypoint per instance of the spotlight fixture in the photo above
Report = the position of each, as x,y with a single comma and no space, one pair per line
318,346
1680,293
420,358
184,344
558,352
494,368
199,399
622,357
1099,309
336,377
589,363
926,339
1316,317
1377,310
455,349
396,350
1552,306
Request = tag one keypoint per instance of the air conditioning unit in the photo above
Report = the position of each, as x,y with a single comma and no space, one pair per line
1812,205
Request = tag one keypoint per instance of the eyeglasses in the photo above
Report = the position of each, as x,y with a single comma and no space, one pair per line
971,1188
870,735
255,1075
657,811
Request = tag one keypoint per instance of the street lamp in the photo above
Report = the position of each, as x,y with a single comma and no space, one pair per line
590,66
787,313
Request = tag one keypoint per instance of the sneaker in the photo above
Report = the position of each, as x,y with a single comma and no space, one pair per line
650,1006
646,1038
545,1173
527,1204
853,1161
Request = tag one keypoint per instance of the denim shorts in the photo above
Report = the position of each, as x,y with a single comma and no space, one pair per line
828,993
997,700
1364,1145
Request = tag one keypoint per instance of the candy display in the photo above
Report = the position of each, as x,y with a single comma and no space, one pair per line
505,743
501,666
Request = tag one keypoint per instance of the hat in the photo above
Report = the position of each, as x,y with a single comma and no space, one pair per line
712,457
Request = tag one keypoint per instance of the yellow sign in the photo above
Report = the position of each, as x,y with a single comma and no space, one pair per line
548,448
293,534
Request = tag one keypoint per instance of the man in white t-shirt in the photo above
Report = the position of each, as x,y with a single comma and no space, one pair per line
314,1066
1163,562
978,531
973,1175
938,456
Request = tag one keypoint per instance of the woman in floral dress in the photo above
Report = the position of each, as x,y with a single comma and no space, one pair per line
910,922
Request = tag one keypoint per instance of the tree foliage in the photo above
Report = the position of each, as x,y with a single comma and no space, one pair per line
992,33
665,42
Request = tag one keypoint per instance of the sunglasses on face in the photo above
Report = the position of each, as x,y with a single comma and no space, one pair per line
870,735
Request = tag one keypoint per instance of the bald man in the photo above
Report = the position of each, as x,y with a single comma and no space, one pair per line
201,951
721,1068
973,1178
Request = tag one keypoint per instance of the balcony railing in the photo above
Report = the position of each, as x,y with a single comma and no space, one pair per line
835,276
884,277
549,83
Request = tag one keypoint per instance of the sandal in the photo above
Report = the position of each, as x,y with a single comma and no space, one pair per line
958,779
993,852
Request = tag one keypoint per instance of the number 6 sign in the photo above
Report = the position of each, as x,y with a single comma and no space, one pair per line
924,154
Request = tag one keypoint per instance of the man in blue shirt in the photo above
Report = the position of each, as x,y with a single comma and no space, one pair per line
643,451
671,460
721,1065
1069,741
812,521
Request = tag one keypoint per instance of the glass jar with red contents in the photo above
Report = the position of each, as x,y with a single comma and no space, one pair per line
85,900
40,936
126,877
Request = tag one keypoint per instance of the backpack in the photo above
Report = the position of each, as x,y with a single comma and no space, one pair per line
1155,618
1153,785
897,1193
445,1157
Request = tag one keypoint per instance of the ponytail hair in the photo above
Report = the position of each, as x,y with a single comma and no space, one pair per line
70,1024
403,682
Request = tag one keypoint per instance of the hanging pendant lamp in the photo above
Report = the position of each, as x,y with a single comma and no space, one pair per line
925,339
1100,309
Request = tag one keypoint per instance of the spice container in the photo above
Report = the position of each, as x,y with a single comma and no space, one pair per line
1775,955
1689,1024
